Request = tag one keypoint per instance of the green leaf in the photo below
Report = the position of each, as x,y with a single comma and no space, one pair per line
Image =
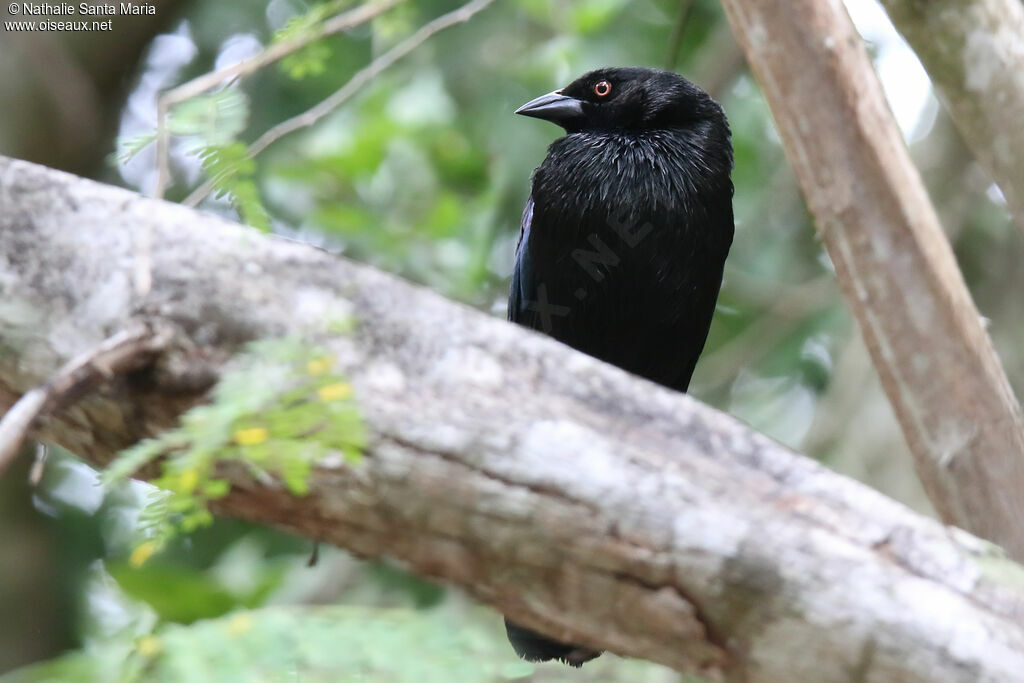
127,148
176,594
309,61
216,118
278,410
231,170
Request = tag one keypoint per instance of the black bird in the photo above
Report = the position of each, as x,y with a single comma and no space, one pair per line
624,237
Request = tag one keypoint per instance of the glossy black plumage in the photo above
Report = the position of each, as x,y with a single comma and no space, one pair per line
625,234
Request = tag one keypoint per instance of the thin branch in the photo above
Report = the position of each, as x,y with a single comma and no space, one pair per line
893,261
342,22
676,39
35,473
354,85
163,164
273,53
127,350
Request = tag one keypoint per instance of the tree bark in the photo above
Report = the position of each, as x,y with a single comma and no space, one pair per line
973,51
896,268
579,500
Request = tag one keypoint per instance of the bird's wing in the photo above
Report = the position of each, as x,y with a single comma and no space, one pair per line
519,271
524,224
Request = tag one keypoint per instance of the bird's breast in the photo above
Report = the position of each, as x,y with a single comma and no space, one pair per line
623,256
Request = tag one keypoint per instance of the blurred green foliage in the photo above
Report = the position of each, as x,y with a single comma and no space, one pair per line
308,644
183,597
278,410
424,174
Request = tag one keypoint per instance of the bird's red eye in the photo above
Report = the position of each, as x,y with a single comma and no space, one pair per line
602,88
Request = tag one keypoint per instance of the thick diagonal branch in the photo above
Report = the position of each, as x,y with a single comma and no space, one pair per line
580,501
894,263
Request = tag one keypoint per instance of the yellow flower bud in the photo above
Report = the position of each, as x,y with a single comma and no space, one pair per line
334,392
251,437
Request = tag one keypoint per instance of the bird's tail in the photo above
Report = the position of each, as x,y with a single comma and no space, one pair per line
533,647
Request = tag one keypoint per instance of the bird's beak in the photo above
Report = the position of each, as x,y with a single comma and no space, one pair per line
554,107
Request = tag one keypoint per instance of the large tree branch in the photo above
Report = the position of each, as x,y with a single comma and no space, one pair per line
577,499
974,52
897,270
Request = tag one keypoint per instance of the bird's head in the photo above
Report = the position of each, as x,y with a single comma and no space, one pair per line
624,99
